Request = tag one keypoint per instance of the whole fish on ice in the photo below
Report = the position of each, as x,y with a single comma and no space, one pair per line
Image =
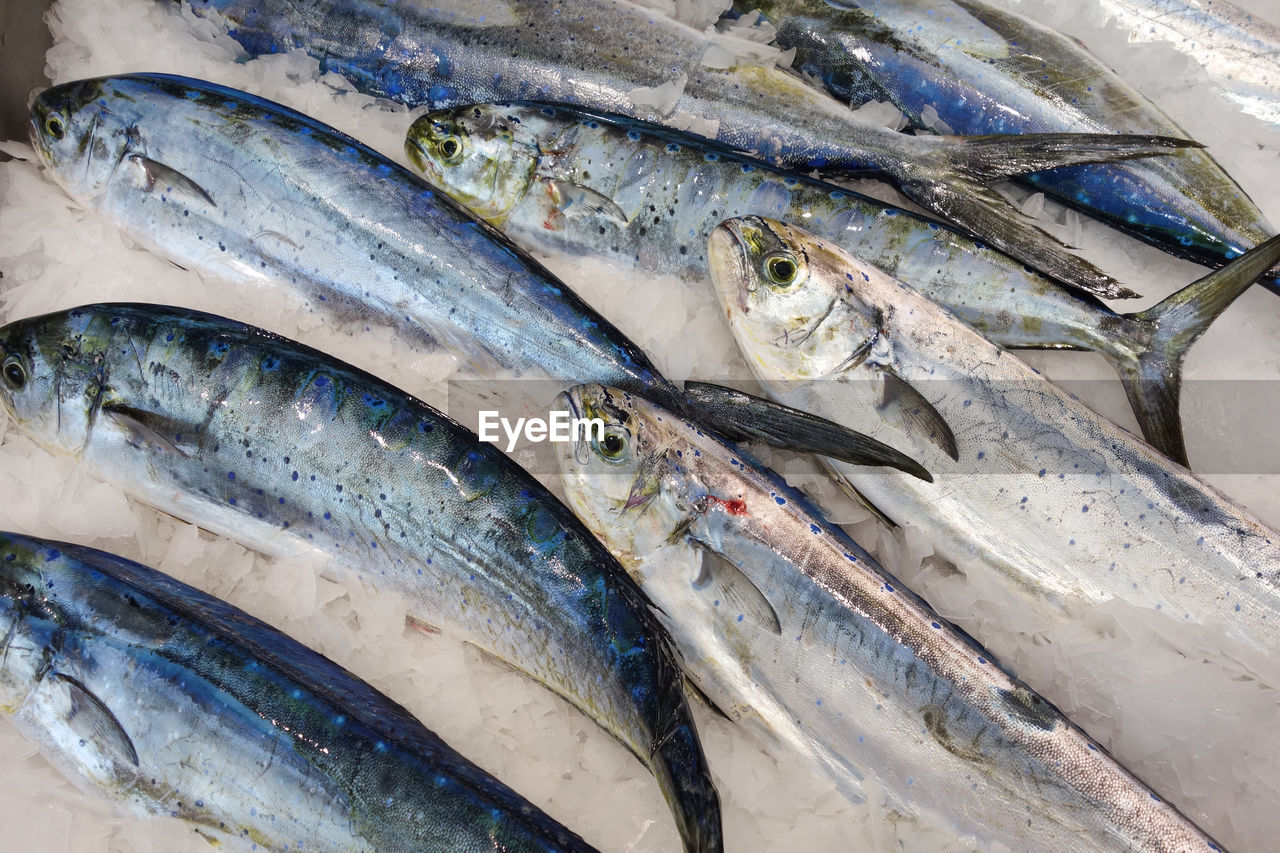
619,57
797,633
286,449
561,179
237,186
1031,487
964,66
172,702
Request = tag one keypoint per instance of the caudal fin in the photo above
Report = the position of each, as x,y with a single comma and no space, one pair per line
742,417
1153,377
952,180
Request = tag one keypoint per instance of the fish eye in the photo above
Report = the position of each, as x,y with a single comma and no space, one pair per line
14,373
54,126
612,446
450,150
782,270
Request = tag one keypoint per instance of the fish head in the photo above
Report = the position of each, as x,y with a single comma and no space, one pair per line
53,376
79,136
476,154
619,475
795,311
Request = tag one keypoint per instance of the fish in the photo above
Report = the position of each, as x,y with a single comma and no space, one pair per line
563,179
964,66
795,632
1238,49
287,450
1031,488
244,189
616,57
171,702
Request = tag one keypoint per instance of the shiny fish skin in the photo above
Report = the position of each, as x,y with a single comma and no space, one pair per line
1239,50
286,450
1047,497
172,702
596,54
559,179
986,70
236,186
858,676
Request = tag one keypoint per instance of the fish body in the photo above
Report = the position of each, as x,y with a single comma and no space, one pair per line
616,57
172,702
1238,49
795,632
561,179
288,450
963,66
1031,487
237,186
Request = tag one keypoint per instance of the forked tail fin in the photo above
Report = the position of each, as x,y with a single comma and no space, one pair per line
952,180
1152,374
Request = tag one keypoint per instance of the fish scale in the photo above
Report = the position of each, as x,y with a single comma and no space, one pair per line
796,633
613,55
172,702
287,450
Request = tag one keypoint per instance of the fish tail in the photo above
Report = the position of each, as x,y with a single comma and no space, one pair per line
1152,371
738,416
954,182
682,772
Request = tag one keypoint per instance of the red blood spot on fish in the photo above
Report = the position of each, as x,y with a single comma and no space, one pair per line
736,506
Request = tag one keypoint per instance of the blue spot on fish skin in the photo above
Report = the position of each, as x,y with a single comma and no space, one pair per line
739,617
781,501
981,659
889,587
815,528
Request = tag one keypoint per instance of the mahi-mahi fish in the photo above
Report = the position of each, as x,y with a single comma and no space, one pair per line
563,179
171,702
964,66
1032,488
288,450
233,185
795,632
614,56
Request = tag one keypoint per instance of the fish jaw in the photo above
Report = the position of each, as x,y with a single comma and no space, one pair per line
78,137
476,155
792,329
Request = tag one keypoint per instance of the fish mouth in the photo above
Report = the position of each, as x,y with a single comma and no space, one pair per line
727,254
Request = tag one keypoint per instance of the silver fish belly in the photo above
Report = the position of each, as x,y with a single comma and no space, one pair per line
800,636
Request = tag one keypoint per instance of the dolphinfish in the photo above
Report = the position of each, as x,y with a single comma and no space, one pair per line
562,179
286,449
1032,488
239,187
794,631
619,57
171,702
964,66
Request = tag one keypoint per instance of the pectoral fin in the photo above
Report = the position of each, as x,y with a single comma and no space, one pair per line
576,201
92,720
150,430
903,405
742,417
726,583
153,173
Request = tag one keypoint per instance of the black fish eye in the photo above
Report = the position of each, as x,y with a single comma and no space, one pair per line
15,374
612,446
451,149
54,127
782,269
